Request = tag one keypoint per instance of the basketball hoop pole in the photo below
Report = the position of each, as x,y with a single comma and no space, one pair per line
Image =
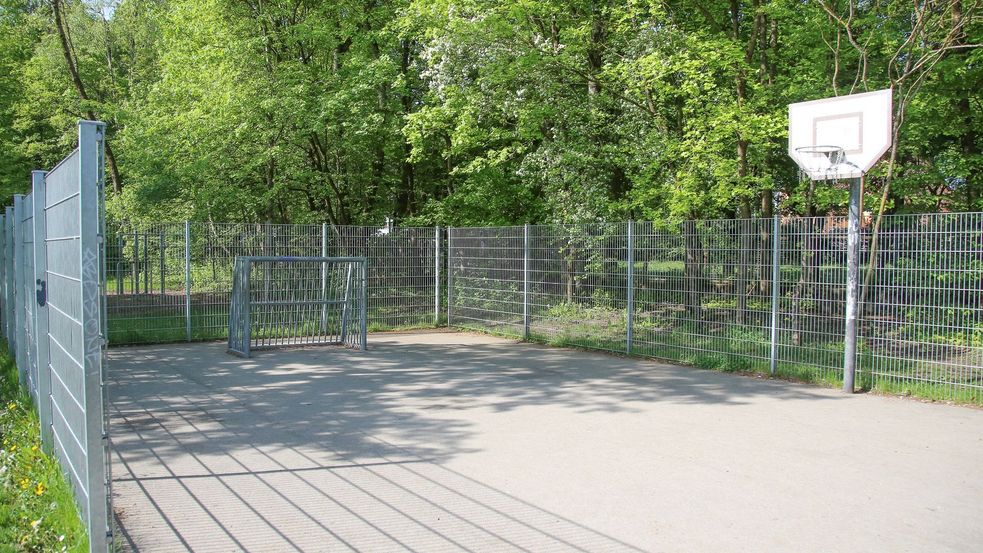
839,138
852,283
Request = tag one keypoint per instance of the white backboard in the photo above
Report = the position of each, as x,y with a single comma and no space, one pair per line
860,124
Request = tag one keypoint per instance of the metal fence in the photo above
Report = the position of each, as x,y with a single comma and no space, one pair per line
923,306
291,301
749,295
53,312
173,281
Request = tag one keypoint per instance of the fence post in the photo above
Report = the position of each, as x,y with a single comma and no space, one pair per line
8,249
18,316
450,272
136,261
776,228
852,284
91,262
3,273
121,252
525,282
324,278
41,311
187,279
436,276
163,280
247,338
364,307
146,262
629,335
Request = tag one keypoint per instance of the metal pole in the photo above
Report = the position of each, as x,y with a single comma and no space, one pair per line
146,262
344,306
248,315
162,267
631,287
450,272
852,284
3,272
45,413
187,279
18,295
119,263
525,282
436,276
365,300
776,227
136,261
10,307
96,474
324,279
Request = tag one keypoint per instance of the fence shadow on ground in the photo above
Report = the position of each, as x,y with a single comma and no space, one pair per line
319,448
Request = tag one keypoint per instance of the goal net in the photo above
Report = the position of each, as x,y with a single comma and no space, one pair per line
294,301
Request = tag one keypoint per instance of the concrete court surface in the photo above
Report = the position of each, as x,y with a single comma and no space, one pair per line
438,442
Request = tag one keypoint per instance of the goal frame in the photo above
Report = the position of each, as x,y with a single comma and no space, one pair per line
352,332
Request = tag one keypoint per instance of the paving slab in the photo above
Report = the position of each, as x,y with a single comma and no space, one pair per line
443,441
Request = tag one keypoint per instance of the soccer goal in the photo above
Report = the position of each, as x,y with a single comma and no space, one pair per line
294,301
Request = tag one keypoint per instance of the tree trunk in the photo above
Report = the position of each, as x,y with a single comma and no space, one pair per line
764,243
743,228
66,50
569,273
803,292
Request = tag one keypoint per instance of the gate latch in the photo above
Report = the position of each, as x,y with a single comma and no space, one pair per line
42,292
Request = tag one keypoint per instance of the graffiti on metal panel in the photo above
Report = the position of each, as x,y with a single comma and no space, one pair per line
91,306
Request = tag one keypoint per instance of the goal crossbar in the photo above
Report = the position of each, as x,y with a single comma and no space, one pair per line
296,301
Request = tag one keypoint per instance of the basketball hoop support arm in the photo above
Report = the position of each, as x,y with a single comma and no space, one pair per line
852,283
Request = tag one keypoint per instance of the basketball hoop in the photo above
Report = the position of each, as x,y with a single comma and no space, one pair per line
823,162
821,133
840,137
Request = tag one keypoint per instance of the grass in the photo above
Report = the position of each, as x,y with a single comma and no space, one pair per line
732,349
163,326
37,511
930,391
159,329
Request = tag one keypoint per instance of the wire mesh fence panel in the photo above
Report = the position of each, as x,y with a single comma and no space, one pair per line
578,284
700,292
20,348
922,328
27,289
485,279
9,289
284,301
145,287
165,286
812,300
3,274
703,292
70,263
214,248
402,272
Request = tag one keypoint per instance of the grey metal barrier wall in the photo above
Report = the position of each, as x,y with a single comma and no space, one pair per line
173,281
730,294
53,310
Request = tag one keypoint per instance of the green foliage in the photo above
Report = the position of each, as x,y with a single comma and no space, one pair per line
37,512
469,112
